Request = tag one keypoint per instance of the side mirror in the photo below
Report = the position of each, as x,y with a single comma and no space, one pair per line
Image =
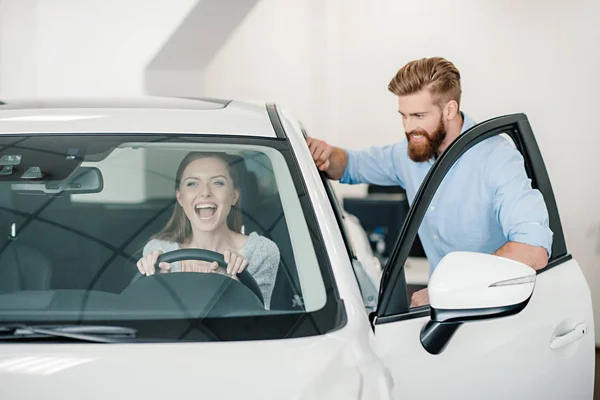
473,286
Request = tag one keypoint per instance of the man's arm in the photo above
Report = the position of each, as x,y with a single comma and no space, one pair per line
534,256
329,159
520,209
375,165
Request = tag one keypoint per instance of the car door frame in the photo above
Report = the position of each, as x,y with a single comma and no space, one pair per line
393,304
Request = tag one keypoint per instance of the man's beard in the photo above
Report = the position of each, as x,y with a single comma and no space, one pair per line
420,152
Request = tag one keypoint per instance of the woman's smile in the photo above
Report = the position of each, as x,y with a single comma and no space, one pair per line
206,211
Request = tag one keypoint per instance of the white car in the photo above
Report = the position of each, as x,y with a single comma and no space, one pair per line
85,184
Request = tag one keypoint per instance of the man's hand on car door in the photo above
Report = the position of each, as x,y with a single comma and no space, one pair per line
419,298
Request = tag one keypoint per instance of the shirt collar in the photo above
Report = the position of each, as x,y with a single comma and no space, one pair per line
468,123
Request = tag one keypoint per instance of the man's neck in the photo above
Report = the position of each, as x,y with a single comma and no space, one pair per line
453,131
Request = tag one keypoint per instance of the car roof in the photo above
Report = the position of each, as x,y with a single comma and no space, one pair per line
147,114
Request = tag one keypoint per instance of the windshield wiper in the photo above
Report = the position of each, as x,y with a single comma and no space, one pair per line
85,333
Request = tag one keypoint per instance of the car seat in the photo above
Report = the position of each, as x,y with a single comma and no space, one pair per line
22,266
264,215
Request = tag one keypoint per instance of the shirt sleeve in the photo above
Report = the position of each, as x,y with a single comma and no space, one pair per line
375,165
520,209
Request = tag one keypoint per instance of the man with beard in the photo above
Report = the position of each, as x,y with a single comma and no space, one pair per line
485,204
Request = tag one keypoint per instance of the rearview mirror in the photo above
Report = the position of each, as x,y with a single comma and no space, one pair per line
82,180
473,286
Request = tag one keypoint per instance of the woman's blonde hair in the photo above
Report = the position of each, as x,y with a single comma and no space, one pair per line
179,229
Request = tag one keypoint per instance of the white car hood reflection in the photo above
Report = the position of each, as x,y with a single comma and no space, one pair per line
307,368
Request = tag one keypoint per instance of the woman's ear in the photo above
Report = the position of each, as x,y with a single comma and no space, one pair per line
236,197
178,195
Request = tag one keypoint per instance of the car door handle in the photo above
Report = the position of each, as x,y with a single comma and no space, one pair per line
577,333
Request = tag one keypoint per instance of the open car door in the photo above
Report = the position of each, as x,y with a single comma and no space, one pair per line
532,339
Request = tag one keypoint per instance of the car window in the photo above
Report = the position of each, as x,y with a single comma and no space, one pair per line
77,213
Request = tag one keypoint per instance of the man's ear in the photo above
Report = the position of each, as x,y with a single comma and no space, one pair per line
451,110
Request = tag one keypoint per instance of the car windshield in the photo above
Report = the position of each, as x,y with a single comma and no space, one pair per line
81,215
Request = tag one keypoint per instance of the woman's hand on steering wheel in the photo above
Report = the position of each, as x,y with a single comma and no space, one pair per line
146,264
228,261
236,262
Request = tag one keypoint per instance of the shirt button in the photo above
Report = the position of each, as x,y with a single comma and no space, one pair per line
435,237
432,208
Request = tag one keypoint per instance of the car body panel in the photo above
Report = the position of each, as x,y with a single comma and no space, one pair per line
144,115
506,357
356,361
250,370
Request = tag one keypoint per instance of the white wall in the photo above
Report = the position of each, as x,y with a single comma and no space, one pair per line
72,47
275,56
178,68
17,47
329,62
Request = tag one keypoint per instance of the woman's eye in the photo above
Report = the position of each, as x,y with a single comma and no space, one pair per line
191,184
219,183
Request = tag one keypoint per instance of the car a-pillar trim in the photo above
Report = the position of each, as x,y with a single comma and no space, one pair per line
339,313
276,121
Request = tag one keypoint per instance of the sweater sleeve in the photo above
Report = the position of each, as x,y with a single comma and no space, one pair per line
263,262
164,246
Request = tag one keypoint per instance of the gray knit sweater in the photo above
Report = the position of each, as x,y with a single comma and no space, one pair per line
262,255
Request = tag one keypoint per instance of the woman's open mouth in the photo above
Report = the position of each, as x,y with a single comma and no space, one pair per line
205,211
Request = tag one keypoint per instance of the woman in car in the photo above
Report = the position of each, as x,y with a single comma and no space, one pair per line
207,216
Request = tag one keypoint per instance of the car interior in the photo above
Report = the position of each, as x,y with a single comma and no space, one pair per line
47,236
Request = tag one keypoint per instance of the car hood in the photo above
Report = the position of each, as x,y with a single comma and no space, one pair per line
307,368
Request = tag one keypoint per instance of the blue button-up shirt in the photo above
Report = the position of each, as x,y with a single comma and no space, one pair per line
485,200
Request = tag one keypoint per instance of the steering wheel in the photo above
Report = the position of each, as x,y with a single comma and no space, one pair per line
205,255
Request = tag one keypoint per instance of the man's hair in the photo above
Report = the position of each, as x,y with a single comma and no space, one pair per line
436,74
